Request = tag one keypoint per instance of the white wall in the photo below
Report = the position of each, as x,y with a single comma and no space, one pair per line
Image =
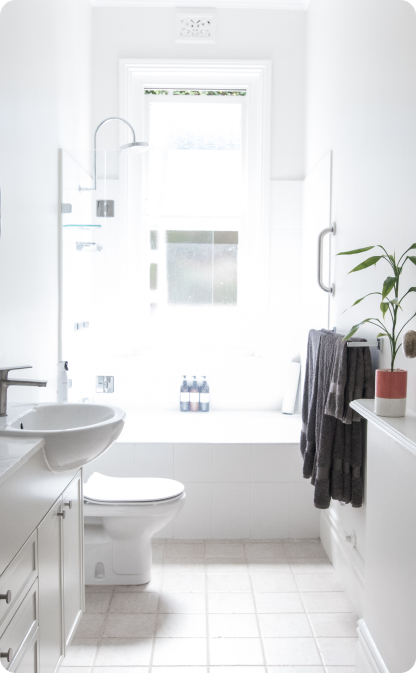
361,104
45,66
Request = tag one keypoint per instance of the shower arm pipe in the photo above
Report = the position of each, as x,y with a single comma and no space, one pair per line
109,119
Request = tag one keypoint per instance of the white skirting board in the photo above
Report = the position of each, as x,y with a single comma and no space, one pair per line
369,659
347,563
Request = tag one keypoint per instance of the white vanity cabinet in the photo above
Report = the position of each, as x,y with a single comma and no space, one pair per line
42,588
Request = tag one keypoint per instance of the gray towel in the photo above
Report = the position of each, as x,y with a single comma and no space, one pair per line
332,442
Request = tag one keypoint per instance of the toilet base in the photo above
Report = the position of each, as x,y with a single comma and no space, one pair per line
98,553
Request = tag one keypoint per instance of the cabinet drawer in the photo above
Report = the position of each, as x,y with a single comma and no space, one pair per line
21,627
19,575
29,661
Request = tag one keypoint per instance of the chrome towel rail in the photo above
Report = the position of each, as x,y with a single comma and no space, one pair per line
368,344
324,232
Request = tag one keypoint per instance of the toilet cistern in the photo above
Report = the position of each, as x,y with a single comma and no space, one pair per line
5,383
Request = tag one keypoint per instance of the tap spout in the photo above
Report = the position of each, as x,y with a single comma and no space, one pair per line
24,382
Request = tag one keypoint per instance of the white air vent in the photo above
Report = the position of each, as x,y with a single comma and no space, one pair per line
195,26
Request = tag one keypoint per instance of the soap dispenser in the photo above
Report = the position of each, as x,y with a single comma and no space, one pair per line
62,382
184,395
204,395
194,395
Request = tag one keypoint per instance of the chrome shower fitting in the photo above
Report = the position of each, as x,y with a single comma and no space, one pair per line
135,146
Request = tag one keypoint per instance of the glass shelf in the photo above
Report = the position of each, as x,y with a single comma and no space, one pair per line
82,226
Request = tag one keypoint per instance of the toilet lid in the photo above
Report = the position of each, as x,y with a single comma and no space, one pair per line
100,488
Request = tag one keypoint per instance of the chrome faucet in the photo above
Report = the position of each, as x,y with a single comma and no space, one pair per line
5,382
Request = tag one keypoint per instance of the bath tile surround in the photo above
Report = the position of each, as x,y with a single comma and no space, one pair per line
233,490
221,603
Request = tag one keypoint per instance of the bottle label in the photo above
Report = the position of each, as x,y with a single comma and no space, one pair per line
204,398
194,397
184,397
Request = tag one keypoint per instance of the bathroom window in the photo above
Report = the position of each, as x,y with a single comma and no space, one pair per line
202,251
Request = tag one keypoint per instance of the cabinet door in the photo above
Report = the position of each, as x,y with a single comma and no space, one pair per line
50,589
73,557
29,663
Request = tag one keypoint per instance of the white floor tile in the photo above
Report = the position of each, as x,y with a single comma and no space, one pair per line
81,652
237,669
274,603
273,583
134,602
91,625
291,651
277,565
184,566
180,669
220,550
182,603
311,566
340,669
230,603
120,669
130,626
225,566
264,550
97,602
233,626
336,601
334,625
181,583
181,626
235,651
319,582
78,669
338,651
285,626
238,583
305,549
185,550
151,587
300,669
124,652
180,652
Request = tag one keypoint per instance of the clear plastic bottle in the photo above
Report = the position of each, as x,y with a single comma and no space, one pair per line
194,396
204,395
184,395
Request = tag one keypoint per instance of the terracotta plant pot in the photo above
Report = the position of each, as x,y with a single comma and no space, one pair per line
391,392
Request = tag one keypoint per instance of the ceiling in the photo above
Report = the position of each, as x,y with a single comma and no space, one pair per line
229,4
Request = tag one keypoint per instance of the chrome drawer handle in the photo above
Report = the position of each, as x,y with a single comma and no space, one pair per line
68,504
62,514
7,655
6,597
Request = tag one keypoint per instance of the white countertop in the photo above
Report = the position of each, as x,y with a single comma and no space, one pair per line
214,427
15,452
403,429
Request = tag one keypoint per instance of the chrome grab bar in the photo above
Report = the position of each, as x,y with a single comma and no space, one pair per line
329,230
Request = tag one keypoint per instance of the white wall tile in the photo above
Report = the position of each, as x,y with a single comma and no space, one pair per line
232,462
270,462
193,462
154,460
269,510
304,517
117,461
231,511
195,520
296,464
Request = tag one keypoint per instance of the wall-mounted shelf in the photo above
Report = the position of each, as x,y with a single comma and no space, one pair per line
88,245
82,226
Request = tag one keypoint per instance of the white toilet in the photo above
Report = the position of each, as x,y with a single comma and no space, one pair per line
121,517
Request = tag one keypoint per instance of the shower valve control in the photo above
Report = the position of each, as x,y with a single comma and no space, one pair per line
104,384
105,208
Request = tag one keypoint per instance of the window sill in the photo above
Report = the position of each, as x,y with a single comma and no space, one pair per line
214,427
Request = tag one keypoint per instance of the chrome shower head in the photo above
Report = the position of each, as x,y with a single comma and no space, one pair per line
135,148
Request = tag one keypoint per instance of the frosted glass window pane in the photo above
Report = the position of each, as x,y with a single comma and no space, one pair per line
201,267
195,160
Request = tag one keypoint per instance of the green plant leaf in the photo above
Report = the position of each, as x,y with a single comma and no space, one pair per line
355,328
355,252
388,285
384,307
412,259
381,334
359,300
369,262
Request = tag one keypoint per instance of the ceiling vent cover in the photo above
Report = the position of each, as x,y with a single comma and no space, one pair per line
195,26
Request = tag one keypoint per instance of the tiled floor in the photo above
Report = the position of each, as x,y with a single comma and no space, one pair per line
237,607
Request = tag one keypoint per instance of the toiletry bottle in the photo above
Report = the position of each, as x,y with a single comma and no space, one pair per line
194,396
204,395
62,381
184,396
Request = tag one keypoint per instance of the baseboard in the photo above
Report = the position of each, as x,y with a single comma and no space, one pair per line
369,659
347,563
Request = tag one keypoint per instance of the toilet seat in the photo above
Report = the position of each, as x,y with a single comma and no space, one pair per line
100,489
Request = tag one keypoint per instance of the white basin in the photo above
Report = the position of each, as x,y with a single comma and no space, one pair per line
74,434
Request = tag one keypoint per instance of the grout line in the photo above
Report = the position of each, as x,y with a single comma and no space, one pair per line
162,573
206,607
253,595
307,614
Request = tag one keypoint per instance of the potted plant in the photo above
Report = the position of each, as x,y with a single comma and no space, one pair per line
391,384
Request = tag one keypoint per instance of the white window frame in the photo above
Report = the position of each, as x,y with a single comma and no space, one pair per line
136,75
